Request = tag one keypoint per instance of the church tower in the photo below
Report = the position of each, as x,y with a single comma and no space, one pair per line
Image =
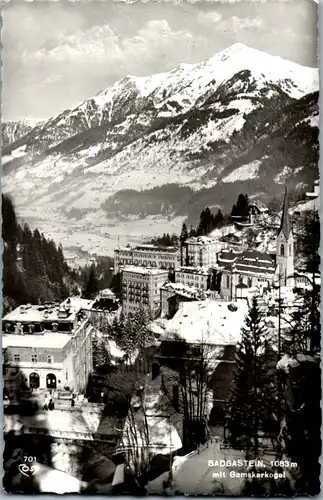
285,248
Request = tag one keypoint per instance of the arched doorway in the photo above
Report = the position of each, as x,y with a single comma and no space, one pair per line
34,380
51,381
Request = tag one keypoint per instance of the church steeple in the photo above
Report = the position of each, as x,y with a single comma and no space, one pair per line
285,226
285,247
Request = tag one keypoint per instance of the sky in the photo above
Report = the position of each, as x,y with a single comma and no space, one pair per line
58,53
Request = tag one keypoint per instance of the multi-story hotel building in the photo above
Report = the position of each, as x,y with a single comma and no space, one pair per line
197,277
147,255
141,288
50,345
200,251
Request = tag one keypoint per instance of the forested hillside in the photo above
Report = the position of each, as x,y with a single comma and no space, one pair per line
34,269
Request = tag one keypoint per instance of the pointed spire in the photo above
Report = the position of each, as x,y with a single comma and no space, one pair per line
285,226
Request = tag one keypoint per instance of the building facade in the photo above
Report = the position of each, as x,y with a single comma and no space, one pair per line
200,251
51,347
141,289
197,277
239,271
246,269
148,255
172,294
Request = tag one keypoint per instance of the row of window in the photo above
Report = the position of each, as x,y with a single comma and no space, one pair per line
154,256
128,276
135,284
189,276
241,280
34,358
30,328
138,300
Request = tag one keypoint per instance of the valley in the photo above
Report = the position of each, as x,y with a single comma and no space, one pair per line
146,153
83,238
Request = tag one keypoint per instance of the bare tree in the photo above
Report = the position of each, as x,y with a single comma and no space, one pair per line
188,386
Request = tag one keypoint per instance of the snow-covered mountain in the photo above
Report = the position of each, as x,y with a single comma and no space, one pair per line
13,130
241,116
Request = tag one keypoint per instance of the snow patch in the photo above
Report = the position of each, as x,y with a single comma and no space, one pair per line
244,173
283,175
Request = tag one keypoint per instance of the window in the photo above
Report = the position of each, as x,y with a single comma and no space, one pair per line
240,280
49,359
34,380
34,358
16,357
249,282
290,250
228,282
66,375
282,249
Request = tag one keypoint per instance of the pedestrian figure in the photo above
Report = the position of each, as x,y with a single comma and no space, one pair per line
51,405
72,402
46,402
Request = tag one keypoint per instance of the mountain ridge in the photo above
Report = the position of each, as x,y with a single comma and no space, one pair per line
203,123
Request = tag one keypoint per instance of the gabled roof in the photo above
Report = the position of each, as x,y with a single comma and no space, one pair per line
252,255
228,256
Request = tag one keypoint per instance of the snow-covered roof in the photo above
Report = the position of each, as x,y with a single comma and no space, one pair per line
29,313
179,287
155,328
287,363
86,421
193,270
162,434
106,293
144,270
77,303
147,247
38,314
50,340
201,240
207,321
157,248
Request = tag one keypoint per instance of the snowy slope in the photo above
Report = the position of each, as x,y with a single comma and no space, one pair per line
13,130
198,125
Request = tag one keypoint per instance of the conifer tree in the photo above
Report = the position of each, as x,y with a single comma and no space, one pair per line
218,219
101,354
184,234
253,395
241,208
91,287
306,320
